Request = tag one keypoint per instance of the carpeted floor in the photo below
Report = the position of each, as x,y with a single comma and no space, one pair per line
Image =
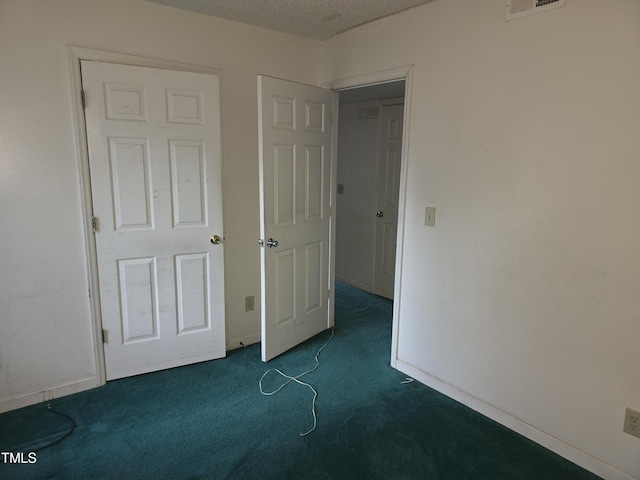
209,421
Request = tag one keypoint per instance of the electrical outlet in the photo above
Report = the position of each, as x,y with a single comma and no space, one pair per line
249,303
632,422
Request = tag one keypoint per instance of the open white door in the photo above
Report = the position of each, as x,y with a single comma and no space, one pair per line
295,198
155,166
388,191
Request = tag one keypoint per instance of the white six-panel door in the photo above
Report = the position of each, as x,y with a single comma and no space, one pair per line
389,163
155,166
295,182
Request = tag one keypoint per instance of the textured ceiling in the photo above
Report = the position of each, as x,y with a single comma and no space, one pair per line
318,19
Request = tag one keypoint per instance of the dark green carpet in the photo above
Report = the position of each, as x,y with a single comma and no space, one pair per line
209,421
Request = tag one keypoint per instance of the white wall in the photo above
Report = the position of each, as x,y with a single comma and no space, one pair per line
358,143
524,135
524,300
45,325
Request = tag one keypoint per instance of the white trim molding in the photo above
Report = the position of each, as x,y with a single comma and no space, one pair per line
518,425
47,393
385,76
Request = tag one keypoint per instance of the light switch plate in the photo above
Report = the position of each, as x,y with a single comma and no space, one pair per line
430,216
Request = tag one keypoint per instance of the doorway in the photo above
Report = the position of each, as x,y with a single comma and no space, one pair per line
127,163
294,171
370,133
157,197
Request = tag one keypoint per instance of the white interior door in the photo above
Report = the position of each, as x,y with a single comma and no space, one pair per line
155,166
295,187
388,185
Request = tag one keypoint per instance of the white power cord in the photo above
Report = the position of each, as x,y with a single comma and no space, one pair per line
297,380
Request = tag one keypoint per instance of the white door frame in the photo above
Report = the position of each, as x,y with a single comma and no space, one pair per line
384,76
74,55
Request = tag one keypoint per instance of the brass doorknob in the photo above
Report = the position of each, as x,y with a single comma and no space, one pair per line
215,239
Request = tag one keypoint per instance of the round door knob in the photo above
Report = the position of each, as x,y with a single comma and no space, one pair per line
215,239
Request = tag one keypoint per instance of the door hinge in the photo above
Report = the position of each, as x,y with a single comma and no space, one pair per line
105,336
94,224
83,99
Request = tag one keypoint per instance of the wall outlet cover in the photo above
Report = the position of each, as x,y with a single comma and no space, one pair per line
249,303
632,422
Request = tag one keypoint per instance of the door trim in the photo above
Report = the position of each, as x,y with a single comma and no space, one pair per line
79,129
384,76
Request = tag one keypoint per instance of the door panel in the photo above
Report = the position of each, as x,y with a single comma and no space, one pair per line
295,182
188,183
193,292
138,299
155,164
129,162
391,120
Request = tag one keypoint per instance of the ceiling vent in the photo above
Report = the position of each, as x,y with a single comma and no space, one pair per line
522,8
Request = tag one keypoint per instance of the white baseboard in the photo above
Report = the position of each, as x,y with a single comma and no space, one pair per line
354,283
556,445
48,393
245,341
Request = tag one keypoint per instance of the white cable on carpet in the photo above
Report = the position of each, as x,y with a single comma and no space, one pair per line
297,380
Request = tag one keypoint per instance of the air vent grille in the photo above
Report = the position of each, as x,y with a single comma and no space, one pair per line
522,8
518,6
